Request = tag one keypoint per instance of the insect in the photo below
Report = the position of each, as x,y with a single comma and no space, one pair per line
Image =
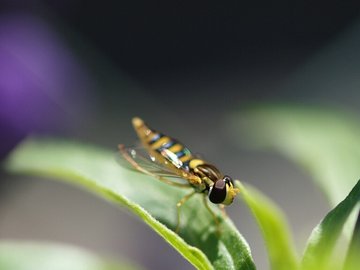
166,159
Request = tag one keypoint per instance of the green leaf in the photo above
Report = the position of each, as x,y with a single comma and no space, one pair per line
352,259
153,201
46,256
318,253
324,142
274,228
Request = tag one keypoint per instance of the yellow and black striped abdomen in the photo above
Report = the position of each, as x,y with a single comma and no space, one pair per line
170,148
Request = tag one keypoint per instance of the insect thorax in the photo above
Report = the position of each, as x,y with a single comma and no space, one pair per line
208,173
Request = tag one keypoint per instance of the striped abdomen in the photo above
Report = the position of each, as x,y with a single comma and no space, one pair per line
169,148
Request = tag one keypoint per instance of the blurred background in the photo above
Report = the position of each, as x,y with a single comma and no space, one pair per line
82,69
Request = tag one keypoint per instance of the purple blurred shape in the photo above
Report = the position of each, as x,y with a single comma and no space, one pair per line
41,84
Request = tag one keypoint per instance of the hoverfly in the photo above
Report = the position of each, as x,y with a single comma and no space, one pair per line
165,158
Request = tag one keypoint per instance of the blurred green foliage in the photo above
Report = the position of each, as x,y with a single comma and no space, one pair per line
26,255
325,142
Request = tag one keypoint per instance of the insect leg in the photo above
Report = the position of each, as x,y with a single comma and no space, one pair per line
223,211
141,169
178,206
217,223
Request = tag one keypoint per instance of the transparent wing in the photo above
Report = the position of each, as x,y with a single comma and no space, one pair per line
141,156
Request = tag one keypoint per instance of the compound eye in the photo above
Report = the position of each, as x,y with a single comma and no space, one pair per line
228,180
217,193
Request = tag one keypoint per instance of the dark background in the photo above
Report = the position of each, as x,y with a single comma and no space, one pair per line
82,69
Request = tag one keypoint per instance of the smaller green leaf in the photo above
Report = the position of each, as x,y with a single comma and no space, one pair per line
274,228
16,255
323,238
353,260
